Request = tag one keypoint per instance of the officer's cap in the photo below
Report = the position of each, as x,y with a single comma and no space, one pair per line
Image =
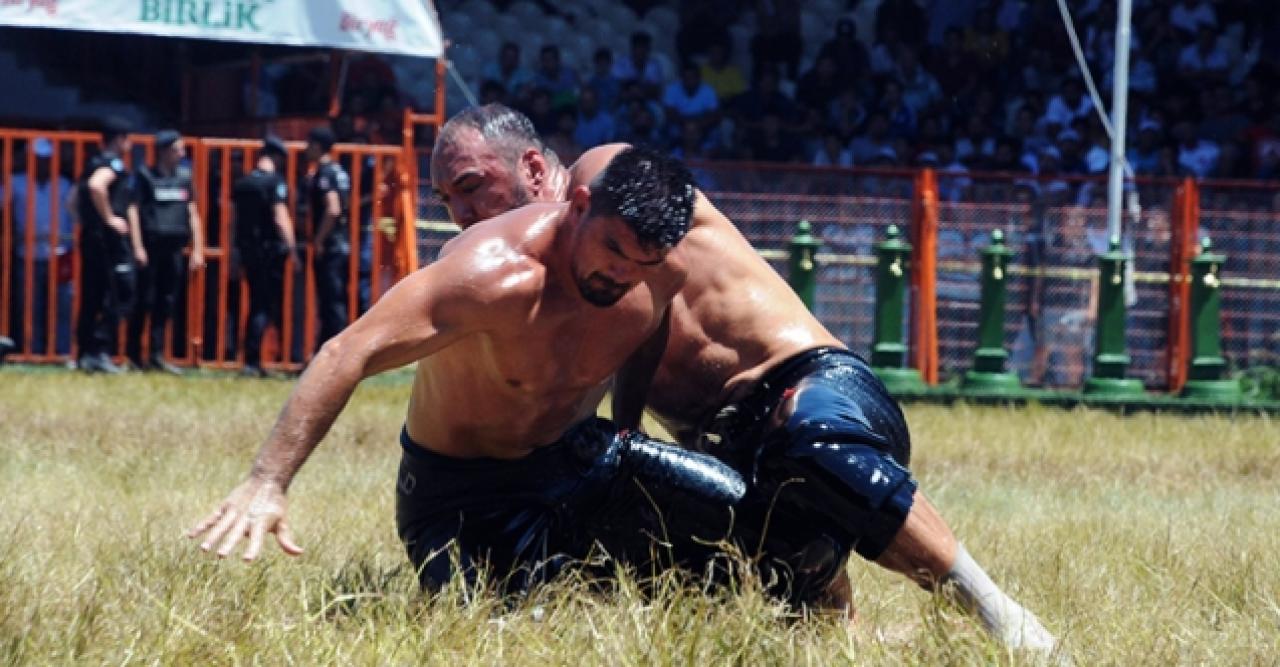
114,127
272,145
167,138
322,136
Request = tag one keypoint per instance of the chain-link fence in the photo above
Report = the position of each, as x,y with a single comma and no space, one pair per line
1055,229
1243,221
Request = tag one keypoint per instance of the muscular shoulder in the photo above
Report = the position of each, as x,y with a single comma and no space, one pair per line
502,260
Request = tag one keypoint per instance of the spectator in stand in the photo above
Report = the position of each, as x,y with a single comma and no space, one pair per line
640,66
772,143
1011,16
1197,157
849,55
833,151
691,98
558,79
1024,130
607,87
1265,147
642,127
561,141
846,113
1097,155
884,52
985,41
765,98
818,87
1055,190
1144,157
492,92
1143,77
704,27
873,142
1038,73
975,143
1067,106
902,118
1007,157
1204,62
1224,121
928,133
692,145
541,112
723,76
516,80
777,40
904,18
1190,16
952,65
50,261
595,125
1232,162
1070,151
953,176
920,90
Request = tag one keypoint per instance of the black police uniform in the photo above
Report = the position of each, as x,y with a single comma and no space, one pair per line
333,260
166,229
107,276
262,253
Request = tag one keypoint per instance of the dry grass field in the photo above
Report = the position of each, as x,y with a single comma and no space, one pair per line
1142,540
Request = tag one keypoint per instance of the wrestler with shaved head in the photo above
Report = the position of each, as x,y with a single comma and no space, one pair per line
748,374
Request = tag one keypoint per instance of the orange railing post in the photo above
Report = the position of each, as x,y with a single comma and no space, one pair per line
924,280
1182,248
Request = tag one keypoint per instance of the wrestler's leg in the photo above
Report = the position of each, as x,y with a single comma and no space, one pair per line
864,487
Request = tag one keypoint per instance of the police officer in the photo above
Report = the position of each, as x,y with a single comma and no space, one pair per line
104,202
169,221
264,241
328,198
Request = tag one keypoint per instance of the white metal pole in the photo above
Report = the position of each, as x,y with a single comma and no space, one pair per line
1119,109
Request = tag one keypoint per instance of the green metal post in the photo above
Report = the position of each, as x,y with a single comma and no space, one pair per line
1110,360
1207,367
988,374
803,264
888,351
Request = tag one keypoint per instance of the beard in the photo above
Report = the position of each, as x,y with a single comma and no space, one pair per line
600,291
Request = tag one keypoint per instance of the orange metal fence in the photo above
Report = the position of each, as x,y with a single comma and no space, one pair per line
40,262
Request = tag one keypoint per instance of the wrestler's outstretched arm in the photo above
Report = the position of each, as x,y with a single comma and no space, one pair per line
631,383
420,315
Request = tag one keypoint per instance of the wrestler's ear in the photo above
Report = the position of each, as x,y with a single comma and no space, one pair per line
533,169
580,201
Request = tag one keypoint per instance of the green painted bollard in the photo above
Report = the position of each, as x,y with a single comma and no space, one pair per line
988,374
888,351
1111,361
803,263
1207,367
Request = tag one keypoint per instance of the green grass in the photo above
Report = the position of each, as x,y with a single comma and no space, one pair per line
1142,540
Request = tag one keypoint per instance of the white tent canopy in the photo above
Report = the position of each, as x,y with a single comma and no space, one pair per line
406,27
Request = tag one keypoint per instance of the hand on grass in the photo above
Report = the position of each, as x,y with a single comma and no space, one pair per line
253,509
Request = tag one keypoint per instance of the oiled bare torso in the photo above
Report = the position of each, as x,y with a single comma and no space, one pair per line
545,362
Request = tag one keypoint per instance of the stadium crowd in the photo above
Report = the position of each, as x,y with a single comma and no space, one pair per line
960,85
